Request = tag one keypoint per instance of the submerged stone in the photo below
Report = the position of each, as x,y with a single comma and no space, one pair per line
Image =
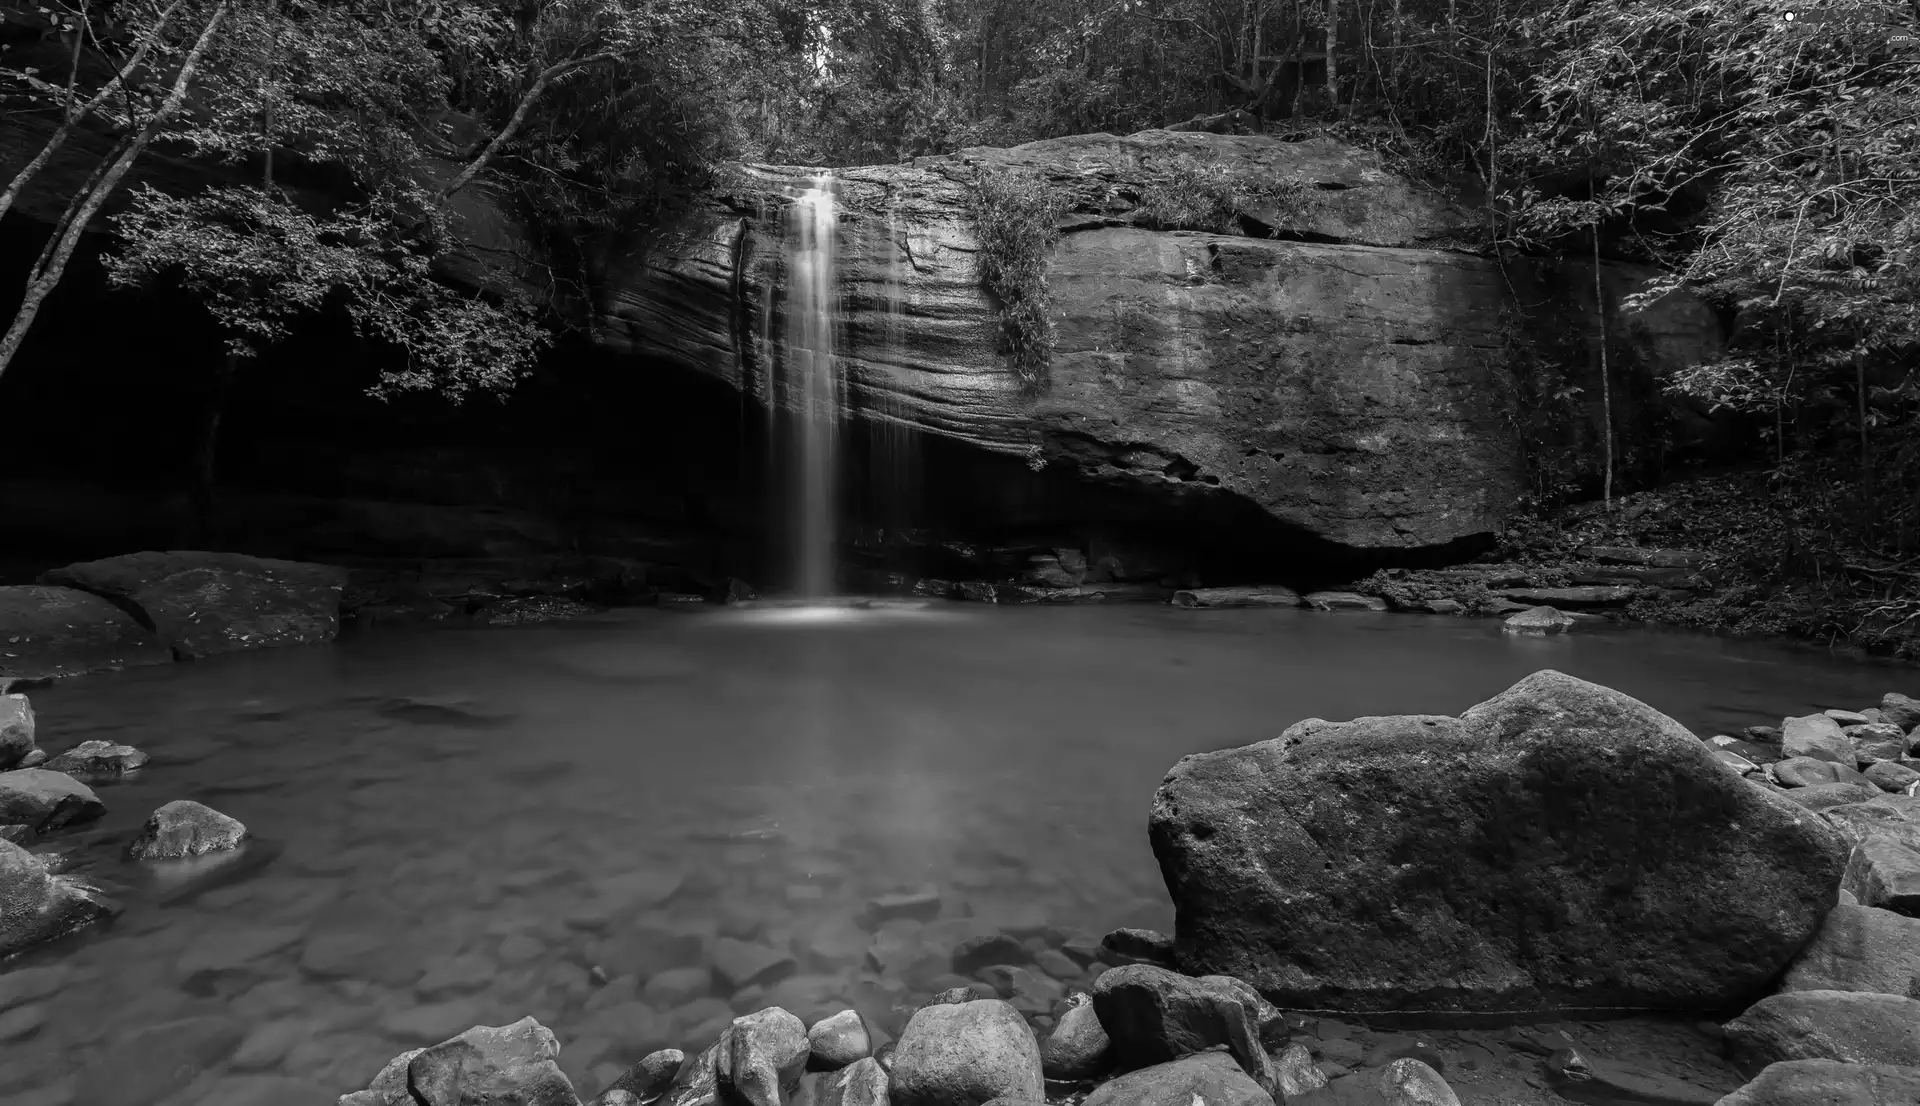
184,828
98,761
1538,620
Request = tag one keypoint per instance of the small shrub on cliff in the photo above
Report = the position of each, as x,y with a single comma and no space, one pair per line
1193,195
1016,217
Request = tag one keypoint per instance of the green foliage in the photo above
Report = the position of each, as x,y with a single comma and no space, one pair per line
257,264
1016,217
1544,409
1794,551
1189,194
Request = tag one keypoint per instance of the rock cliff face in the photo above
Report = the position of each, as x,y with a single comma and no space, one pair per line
1336,366
1334,373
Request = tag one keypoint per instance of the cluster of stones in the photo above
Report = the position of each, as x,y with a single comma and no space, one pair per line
1834,759
40,795
1548,802
1145,1033
1608,579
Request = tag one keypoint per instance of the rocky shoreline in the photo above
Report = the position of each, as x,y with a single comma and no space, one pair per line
152,608
1314,917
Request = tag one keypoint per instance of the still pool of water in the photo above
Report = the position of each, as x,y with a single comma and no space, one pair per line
469,826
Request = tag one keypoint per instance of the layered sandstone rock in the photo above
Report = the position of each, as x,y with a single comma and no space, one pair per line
1336,366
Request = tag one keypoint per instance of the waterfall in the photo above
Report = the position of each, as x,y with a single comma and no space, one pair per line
809,384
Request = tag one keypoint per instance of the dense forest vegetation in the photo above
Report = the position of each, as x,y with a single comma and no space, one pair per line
1766,156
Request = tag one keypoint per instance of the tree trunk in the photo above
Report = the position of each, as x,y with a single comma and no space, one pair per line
1299,61
44,278
206,452
1493,160
1333,73
521,111
1394,37
1860,396
1606,379
73,116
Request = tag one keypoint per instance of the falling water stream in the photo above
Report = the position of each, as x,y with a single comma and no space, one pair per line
810,381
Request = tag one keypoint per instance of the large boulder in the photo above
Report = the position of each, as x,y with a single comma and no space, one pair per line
45,801
966,1054
50,632
838,1040
1804,771
37,905
861,1083
1078,1048
1900,710
1153,1015
765,1057
1816,736
1860,948
1897,816
1560,846
508,1065
203,604
1209,1077
1826,796
645,1081
1829,1083
1883,871
1855,1026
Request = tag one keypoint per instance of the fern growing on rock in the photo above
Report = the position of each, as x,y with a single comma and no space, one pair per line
1016,217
